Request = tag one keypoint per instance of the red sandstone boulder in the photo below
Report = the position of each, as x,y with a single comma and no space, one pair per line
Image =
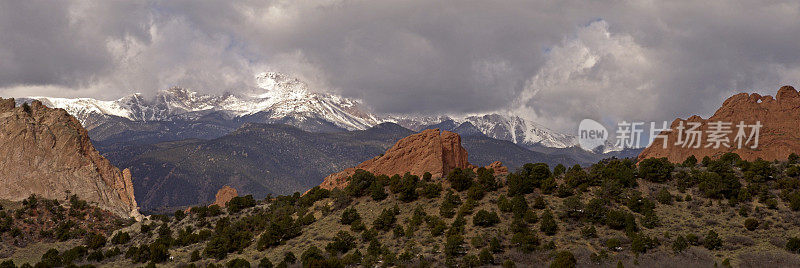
225,194
428,151
498,168
779,135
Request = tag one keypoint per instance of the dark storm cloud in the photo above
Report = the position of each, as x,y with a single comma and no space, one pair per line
553,61
39,47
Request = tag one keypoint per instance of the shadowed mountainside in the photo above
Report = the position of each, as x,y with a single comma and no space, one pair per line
262,159
257,158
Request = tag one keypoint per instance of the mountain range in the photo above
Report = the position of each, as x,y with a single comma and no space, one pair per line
612,212
181,113
182,146
258,159
262,159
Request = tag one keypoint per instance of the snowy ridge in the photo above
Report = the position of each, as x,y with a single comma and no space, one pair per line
82,107
279,97
502,127
520,131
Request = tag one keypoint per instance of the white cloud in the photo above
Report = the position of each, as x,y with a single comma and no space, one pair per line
179,55
596,74
552,61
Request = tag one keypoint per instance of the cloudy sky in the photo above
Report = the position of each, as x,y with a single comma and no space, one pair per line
556,62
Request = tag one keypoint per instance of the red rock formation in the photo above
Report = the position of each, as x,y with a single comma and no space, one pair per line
428,151
779,135
498,167
48,153
225,194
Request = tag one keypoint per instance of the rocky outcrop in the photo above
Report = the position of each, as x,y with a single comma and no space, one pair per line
779,135
434,151
499,169
225,194
48,153
428,151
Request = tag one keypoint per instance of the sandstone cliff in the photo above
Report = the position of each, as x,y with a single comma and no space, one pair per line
428,151
48,153
779,135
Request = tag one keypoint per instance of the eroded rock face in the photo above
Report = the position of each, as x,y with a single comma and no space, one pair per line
225,194
499,169
48,153
428,151
779,135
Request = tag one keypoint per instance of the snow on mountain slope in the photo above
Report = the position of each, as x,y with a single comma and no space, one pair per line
284,99
285,96
520,131
502,127
278,96
83,107
415,122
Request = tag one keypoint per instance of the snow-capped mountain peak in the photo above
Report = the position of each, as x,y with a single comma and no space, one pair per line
518,130
498,126
280,98
277,84
81,107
